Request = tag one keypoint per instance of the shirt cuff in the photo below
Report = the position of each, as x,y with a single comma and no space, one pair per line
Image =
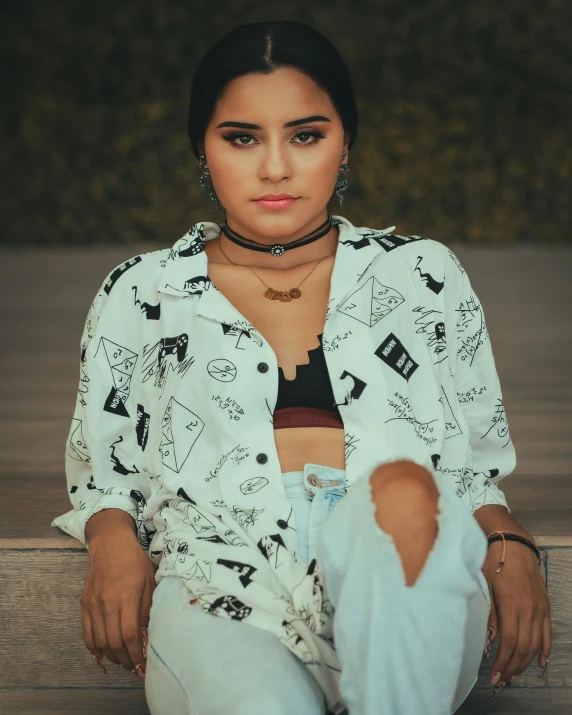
73,522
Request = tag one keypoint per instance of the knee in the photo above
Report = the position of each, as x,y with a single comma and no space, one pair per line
406,501
406,480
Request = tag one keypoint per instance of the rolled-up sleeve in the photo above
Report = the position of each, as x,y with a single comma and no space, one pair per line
480,398
102,456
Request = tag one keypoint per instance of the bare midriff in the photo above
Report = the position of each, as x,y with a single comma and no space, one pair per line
291,329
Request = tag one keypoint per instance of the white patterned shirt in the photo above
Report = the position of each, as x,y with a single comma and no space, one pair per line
174,417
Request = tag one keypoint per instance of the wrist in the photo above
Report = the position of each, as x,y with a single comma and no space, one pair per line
501,548
107,542
518,531
108,526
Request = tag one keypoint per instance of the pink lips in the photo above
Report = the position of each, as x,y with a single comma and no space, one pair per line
275,204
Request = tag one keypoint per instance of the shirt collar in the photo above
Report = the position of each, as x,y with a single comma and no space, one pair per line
185,272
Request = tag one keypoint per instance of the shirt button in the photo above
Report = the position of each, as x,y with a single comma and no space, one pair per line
282,524
262,367
261,458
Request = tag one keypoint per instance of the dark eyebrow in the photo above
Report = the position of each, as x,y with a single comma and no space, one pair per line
305,120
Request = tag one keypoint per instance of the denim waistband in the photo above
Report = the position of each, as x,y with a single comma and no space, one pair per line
316,478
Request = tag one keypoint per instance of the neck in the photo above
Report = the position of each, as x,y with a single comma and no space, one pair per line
300,255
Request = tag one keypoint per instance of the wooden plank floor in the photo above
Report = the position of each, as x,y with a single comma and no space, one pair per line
525,291
126,701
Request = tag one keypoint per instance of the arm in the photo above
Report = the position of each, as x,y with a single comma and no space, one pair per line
107,487
493,456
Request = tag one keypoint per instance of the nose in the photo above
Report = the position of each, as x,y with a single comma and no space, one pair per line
276,163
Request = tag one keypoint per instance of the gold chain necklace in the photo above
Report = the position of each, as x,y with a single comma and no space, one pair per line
270,292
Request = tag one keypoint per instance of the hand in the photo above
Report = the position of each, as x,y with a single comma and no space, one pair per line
520,609
116,599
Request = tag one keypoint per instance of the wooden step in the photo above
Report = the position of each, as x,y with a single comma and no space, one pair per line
42,645
123,701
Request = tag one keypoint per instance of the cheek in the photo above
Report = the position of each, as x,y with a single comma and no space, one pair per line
319,173
229,176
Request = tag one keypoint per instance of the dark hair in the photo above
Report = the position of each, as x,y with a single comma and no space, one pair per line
265,47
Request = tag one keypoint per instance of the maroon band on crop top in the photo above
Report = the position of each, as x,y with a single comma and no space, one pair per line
305,417
308,400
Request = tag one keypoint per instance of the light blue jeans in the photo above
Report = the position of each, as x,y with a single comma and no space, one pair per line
403,650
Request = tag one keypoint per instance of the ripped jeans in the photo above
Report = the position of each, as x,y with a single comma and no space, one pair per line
402,649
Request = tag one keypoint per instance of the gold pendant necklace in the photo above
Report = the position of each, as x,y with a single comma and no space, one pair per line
270,293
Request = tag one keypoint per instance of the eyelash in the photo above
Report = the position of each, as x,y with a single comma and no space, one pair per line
311,132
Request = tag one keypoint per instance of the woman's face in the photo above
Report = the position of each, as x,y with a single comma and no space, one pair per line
303,160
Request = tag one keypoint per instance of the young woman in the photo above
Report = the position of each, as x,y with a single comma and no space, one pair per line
300,422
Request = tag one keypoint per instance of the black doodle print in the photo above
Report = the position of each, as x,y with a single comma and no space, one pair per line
197,285
222,370
230,607
119,271
142,426
167,354
453,429
77,446
177,391
253,485
243,332
350,444
371,302
245,517
83,388
199,571
432,329
390,242
357,388
472,394
401,406
152,312
121,362
392,352
181,428
272,547
192,244
245,570
183,494
498,421
118,467
214,539
334,343
431,283
471,327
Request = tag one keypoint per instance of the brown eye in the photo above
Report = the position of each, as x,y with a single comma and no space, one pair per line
310,133
236,135
315,133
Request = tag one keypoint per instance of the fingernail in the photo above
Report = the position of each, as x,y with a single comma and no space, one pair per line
502,686
140,671
487,649
144,640
98,661
496,678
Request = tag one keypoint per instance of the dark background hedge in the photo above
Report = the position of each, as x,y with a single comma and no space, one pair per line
465,113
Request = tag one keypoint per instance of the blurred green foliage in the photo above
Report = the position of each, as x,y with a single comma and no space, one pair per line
464,108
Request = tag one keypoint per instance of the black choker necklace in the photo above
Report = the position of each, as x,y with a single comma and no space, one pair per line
278,249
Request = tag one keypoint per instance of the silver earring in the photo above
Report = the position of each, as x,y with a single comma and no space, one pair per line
342,182
206,182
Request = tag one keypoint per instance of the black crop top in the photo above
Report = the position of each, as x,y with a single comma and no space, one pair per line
311,387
